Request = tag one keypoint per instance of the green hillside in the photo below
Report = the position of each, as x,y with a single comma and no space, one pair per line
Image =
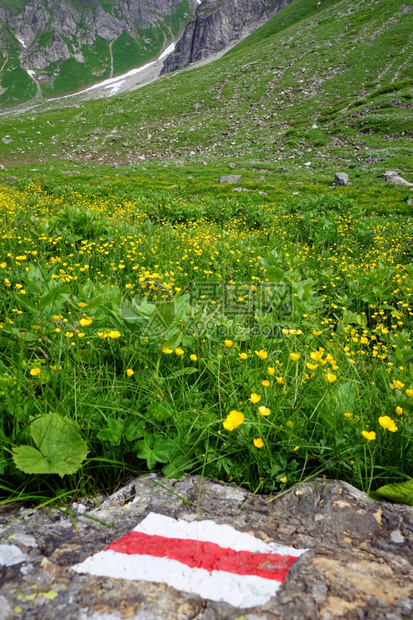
341,67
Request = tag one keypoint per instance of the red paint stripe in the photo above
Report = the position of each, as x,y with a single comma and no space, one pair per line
198,554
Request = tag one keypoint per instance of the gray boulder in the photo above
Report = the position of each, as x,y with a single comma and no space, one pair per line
231,178
341,179
394,177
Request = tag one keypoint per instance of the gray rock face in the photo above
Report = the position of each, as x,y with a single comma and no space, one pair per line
218,24
231,178
53,31
341,179
358,562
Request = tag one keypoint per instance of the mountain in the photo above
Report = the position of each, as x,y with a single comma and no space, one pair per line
51,47
317,85
217,25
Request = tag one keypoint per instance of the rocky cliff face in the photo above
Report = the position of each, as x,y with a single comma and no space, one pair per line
218,24
78,42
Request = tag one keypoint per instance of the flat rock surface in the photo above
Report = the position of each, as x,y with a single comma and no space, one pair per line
358,563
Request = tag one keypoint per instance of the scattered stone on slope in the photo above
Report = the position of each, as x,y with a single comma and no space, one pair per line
358,563
231,178
341,179
394,177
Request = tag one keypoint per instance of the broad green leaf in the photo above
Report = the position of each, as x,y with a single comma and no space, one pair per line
154,450
345,397
61,449
275,274
31,461
401,492
177,467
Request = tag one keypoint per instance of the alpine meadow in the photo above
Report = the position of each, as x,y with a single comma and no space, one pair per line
184,288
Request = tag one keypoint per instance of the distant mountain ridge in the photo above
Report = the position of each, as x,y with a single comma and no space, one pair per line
218,24
51,47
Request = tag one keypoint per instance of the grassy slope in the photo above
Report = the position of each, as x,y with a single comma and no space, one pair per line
345,68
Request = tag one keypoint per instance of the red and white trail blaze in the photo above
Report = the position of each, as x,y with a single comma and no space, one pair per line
201,557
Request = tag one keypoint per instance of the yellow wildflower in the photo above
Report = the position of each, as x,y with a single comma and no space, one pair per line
255,398
264,410
399,410
166,350
265,383
295,357
370,436
280,380
311,366
179,351
35,372
348,415
114,334
397,385
258,442
242,356
330,377
271,370
409,392
85,322
233,419
317,355
130,372
283,479
193,357
386,422
228,343
262,354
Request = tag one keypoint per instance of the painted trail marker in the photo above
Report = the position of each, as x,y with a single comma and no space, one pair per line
213,561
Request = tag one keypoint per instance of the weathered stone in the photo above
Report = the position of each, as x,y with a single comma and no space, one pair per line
241,189
356,566
341,179
394,177
231,178
70,172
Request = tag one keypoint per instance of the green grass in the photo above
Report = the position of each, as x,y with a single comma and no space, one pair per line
17,84
128,53
109,272
119,268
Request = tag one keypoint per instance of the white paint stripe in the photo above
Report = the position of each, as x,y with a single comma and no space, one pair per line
237,590
209,531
